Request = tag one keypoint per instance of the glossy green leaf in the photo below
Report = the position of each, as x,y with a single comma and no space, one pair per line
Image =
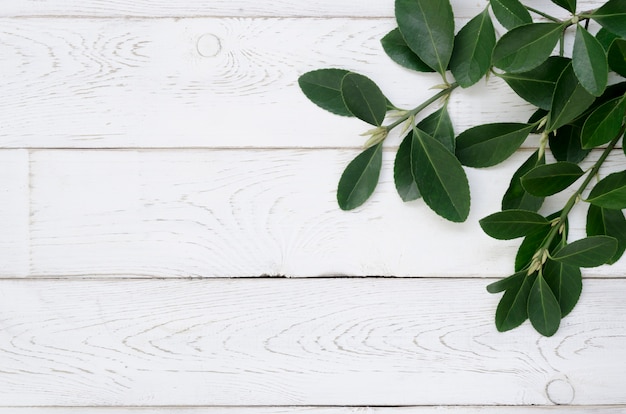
617,57
363,98
612,16
589,62
428,29
549,179
610,192
588,252
360,178
440,178
606,38
403,171
489,144
565,144
473,46
439,126
537,85
511,224
526,47
396,48
534,241
510,13
512,310
544,311
506,283
323,88
569,5
607,222
570,100
604,123
566,283
515,196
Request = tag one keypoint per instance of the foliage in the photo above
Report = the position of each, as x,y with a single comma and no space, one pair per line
579,110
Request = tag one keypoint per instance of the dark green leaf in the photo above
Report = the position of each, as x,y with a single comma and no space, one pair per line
490,144
403,172
537,85
589,62
518,198
610,192
526,47
604,123
428,29
607,222
566,283
588,252
565,144
323,88
570,100
606,38
512,310
510,13
360,178
363,98
569,5
612,16
544,311
511,224
473,46
506,283
440,178
439,126
546,180
396,48
534,241
612,91
617,56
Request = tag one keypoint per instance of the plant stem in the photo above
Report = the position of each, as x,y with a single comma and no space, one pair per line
540,13
424,105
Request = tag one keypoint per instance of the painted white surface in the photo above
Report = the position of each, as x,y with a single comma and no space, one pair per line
168,140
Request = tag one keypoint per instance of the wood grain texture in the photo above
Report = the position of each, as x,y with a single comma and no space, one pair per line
231,213
602,409
208,82
299,342
239,8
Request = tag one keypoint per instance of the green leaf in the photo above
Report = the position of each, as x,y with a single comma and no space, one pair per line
537,85
607,222
604,123
323,88
510,13
440,178
512,310
569,5
534,241
612,16
589,62
396,48
511,224
489,144
526,47
570,100
360,178
363,98
606,38
439,126
506,283
473,46
518,198
566,283
403,171
610,192
549,179
428,29
617,57
565,144
544,311
588,252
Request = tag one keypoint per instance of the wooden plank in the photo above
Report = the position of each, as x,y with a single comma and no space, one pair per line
112,83
240,8
14,213
299,342
231,213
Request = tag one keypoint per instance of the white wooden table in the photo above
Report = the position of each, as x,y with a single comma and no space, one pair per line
170,239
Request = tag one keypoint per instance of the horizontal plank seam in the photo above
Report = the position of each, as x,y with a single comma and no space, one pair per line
309,406
180,17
